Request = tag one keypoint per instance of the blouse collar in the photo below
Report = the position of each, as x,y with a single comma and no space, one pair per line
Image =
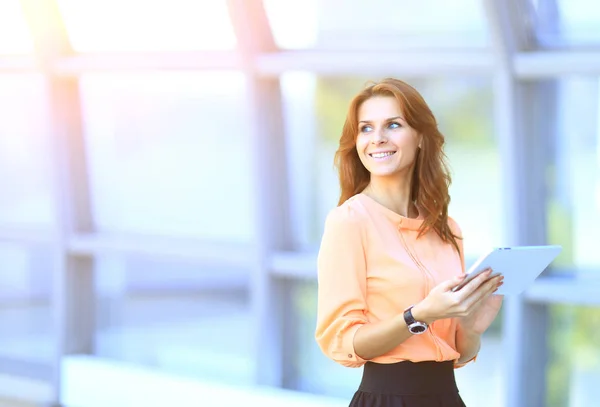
402,221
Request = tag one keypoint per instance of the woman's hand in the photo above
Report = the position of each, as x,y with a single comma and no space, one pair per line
473,303
480,318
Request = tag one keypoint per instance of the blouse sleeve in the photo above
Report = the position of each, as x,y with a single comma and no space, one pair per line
341,308
455,228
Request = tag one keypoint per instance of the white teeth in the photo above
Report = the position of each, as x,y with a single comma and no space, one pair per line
381,155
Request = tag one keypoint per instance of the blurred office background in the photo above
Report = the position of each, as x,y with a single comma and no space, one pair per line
166,168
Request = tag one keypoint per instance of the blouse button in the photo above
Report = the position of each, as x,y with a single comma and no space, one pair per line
349,355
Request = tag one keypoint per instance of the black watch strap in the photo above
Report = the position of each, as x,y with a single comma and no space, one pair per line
415,327
408,316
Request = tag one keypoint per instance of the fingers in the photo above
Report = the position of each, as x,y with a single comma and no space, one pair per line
462,302
451,283
483,292
489,287
493,281
475,296
474,284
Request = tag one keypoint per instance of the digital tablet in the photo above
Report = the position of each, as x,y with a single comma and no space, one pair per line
520,266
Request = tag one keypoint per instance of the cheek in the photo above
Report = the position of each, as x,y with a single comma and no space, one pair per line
407,141
360,147
361,144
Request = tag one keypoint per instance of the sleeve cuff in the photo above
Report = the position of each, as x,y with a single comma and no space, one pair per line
348,356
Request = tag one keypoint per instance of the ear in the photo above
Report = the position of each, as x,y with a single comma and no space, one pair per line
420,141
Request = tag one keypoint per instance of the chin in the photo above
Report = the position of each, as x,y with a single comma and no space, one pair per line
387,172
384,174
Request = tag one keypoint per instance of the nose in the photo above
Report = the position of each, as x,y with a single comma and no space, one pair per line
379,137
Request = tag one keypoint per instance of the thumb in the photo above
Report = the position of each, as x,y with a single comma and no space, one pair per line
496,300
451,283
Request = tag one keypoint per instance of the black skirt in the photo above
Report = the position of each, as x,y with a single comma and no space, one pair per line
408,384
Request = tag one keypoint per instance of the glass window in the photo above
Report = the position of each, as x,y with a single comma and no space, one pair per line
563,23
315,109
381,24
15,37
574,170
573,370
26,331
188,323
168,153
139,25
480,383
25,151
315,373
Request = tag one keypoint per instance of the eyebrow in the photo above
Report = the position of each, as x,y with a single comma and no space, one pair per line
387,120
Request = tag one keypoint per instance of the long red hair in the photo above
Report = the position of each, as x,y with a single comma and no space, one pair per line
430,179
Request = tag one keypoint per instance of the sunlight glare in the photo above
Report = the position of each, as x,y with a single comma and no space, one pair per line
139,25
15,37
294,24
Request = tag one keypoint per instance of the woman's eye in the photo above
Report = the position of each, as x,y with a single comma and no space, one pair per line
394,125
366,128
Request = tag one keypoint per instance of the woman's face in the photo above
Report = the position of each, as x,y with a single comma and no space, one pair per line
386,144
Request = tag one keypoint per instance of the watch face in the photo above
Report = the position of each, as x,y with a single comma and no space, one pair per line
417,328
414,327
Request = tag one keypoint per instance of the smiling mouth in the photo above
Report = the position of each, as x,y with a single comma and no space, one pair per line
382,155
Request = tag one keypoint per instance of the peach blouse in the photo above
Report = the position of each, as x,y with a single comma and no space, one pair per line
371,267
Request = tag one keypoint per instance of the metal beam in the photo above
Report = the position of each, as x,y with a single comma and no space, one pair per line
17,64
270,302
565,290
524,328
378,63
521,24
178,249
27,236
554,64
545,18
72,291
270,63
106,62
526,65
526,323
251,27
26,369
295,265
74,294
505,42
47,29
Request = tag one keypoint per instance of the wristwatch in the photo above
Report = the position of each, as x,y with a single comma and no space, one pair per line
415,327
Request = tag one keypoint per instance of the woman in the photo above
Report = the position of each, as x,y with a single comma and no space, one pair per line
390,257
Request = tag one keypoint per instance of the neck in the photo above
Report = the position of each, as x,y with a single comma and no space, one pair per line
393,193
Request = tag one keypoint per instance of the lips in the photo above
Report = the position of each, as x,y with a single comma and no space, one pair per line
382,154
